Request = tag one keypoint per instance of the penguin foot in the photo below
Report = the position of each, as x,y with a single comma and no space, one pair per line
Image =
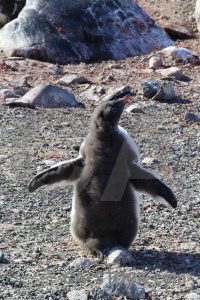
119,256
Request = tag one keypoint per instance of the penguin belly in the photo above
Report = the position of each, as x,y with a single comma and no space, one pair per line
102,225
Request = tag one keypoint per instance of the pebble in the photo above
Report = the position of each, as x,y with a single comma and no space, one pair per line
135,109
192,117
73,79
176,29
82,262
12,93
171,72
178,52
98,294
77,295
192,296
149,160
116,92
119,256
155,61
130,290
150,88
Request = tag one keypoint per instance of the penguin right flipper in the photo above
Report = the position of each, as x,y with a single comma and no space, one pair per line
145,181
60,174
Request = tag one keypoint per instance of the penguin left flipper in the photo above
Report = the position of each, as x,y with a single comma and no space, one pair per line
60,174
145,181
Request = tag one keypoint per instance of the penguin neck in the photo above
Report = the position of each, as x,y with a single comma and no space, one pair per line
104,131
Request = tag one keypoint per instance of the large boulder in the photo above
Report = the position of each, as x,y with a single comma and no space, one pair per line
197,14
62,31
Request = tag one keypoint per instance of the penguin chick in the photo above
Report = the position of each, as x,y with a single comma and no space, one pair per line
106,177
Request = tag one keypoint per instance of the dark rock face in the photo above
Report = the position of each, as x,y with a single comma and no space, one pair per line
82,30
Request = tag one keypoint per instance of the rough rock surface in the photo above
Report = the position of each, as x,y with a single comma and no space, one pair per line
85,30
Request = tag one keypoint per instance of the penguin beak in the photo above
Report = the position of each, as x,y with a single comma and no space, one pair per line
125,99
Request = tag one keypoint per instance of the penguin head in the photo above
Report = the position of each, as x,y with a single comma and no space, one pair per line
107,115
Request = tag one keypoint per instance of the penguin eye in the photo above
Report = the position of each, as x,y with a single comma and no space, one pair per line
114,109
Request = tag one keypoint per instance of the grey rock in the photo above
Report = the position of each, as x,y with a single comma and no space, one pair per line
1,256
49,162
73,31
171,72
177,29
150,88
192,296
178,53
157,90
12,93
46,96
192,117
77,295
155,61
165,92
72,79
135,109
150,160
98,294
116,92
130,290
82,262
119,256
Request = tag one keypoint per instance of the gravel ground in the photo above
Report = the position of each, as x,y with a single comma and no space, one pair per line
34,228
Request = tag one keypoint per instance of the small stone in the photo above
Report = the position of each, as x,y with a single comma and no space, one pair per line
177,30
55,70
82,262
73,79
166,92
117,92
98,294
149,160
171,72
179,53
150,88
119,256
1,256
192,296
192,117
155,61
49,162
130,290
77,295
134,109
12,93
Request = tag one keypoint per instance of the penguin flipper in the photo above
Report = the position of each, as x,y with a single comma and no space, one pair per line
61,174
145,181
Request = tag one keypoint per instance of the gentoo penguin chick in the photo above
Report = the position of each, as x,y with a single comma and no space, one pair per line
106,177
